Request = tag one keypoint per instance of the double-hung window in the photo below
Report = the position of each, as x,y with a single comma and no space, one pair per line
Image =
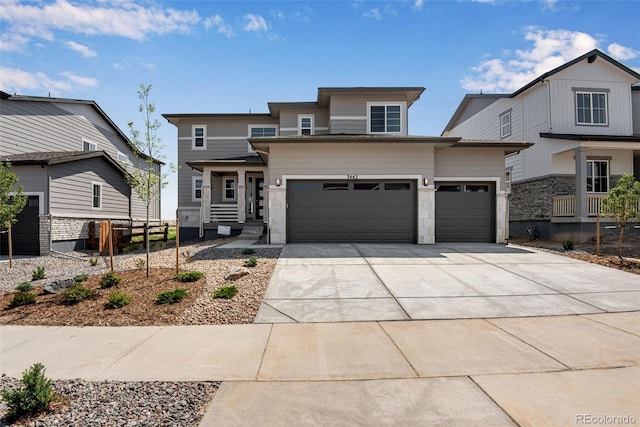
591,108
228,189
96,195
597,176
385,118
199,137
305,125
197,189
505,124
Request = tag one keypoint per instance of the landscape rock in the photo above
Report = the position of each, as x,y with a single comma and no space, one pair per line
234,273
58,286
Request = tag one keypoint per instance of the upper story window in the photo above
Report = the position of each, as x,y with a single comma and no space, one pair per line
89,146
96,195
257,131
196,188
122,158
305,125
591,108
505,124
385,118
597,176
199,137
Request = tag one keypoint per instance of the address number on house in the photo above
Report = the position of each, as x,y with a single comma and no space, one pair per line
352,177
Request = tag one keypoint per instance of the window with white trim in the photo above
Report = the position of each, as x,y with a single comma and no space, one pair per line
591,108
196,188
199,137
96,195
258,131
385,118
597,176
228,189
122,158
505,124
305,125
507,181
89,146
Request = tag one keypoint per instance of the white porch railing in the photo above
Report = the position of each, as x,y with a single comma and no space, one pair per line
566,205
227,212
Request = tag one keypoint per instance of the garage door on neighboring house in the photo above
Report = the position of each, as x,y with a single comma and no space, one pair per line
465,212
351,211
25,232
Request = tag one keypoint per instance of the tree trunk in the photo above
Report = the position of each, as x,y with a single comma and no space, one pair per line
146,239
620,235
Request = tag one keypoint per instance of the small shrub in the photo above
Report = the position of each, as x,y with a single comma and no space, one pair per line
109,280
35,394
80,278
568,244
189,276
171,297
24,287
251,262
22,298
118,299
93,262
187,256
226,292
38,273
248,251
140,263
76,294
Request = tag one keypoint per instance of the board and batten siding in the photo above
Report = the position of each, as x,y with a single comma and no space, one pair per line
470,162
620,161
71,189
635,105
342,159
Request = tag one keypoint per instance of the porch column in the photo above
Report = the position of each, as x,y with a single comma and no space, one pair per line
205,201
242,197
581,182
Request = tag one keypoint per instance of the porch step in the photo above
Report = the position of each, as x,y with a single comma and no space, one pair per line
251,232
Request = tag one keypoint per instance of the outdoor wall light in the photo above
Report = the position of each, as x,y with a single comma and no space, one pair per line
426,182
278,182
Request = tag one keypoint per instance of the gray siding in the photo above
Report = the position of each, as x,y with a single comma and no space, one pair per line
635,102
355,105
71,189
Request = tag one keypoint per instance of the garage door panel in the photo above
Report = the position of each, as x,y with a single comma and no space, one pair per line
25,232
465,216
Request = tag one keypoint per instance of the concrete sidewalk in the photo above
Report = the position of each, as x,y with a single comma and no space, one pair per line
531,371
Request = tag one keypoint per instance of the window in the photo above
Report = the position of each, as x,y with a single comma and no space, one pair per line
196,189
597,176
397,186
333,186
122,158
591,108
385,118
199,137
505,124
96,195
507,181
305,125
89,146
255,131
229,189
367,186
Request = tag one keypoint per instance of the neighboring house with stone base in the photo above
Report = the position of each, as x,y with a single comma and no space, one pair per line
342,168
584,120
71,161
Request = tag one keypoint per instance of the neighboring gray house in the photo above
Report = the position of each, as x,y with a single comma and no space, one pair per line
71,161
342,168
584,120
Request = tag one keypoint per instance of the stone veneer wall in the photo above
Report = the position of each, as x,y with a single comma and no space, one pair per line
43,221
533,200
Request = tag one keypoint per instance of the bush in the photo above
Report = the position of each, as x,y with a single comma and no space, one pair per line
568,244
35,394
171,297
109,280
76,294
140,263
251,262
24,287
93,262
38,273
22,298
189,276
118,299
226,292
80,278
248,251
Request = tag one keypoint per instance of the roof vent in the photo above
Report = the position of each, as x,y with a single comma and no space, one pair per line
591,58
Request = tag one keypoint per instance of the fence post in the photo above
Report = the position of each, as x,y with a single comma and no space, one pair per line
110,244
166,232
598,234
10,247
177,245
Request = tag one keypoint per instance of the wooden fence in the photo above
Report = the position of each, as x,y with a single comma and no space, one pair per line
123,235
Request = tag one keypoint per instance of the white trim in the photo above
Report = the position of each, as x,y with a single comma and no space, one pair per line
288,129
193,188
93,185
225,179
322,128
212,138
121,154
497,180
193,137
86,141
502,126
40,195
403,114
419,178
311,128
348,118
250,149
591,108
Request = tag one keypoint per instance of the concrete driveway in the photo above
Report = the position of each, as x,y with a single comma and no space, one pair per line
374,282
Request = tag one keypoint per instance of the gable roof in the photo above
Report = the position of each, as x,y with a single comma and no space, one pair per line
58,157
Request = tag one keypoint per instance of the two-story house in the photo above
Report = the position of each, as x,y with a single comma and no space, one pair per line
584,120
342,168
71,160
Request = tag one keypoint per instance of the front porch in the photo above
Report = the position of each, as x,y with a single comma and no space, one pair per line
565,206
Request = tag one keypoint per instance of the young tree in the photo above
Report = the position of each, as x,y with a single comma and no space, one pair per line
147,180
621,204
11,201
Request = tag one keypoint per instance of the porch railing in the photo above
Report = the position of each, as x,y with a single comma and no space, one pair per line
566,205
227,212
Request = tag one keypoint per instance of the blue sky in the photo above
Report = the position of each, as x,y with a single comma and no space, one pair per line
235,56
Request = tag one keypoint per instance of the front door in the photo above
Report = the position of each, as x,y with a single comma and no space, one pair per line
255,198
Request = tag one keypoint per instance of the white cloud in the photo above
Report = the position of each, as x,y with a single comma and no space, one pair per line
417,4
551,48
301,14
373,13
85,51
13,80
218,22
622,52
13,42
254,23
123,18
